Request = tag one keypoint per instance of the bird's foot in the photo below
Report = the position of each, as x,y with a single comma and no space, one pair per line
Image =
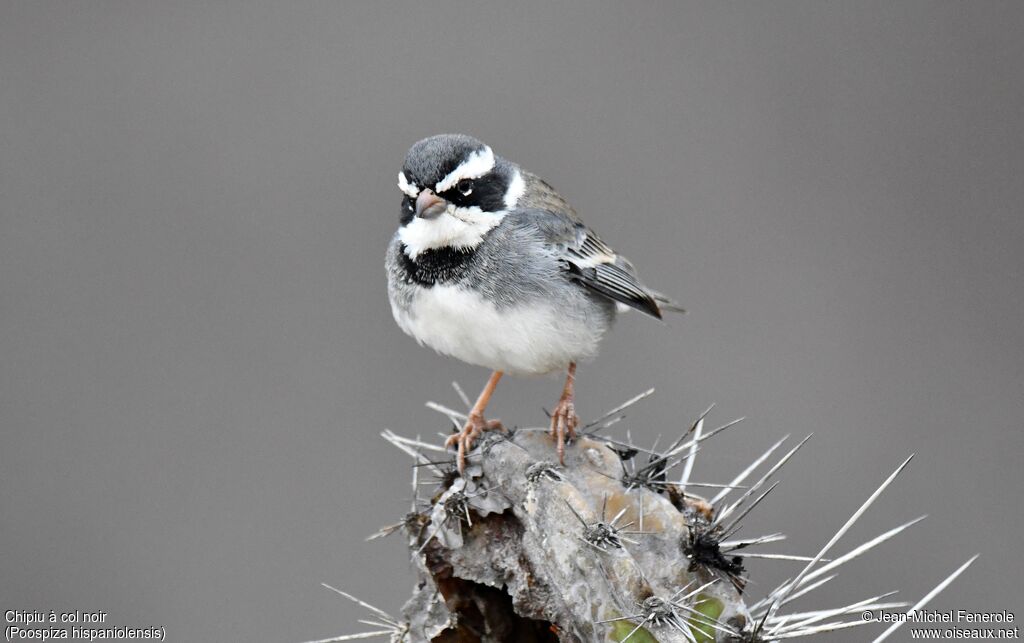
563,424
464,439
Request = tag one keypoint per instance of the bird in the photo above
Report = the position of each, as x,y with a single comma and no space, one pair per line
491,265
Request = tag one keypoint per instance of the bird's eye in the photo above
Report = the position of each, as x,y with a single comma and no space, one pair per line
465,186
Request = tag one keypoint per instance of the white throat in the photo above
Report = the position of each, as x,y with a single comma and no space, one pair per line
461,228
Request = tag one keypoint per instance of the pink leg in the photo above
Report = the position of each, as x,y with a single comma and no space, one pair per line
476,423
564,419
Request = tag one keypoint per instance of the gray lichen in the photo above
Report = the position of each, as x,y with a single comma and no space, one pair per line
602,548
555,546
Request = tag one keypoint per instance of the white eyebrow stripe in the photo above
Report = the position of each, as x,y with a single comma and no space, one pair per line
516,188
479,163
409,189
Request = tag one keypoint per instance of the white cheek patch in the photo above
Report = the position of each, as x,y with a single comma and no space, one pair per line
461,228
516,187
409,189
479,163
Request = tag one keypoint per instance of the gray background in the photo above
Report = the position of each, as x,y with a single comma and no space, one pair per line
197,351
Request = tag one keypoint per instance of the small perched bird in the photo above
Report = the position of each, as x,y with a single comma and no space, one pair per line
491,266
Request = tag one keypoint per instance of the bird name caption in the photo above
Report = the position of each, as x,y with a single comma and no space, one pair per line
76,625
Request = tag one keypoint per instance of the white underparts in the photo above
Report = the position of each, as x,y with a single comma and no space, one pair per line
531,338
476,165
461,228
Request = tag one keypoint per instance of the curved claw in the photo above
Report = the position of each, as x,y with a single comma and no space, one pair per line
464,439
564,422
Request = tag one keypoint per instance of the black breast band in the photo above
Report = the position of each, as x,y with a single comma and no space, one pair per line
436,265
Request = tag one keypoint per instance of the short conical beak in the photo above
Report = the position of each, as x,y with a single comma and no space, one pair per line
429,205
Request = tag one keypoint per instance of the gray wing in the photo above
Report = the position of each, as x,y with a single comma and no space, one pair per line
594,265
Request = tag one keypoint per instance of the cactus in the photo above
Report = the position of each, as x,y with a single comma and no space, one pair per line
605,547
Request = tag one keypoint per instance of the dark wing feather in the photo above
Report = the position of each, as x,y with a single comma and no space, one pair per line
613,281
594,265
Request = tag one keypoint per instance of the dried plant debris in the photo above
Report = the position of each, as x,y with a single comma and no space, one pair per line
454,510
610,546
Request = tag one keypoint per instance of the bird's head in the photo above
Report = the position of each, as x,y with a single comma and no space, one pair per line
455,189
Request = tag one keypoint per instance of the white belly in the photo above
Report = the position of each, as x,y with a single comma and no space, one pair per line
530,339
